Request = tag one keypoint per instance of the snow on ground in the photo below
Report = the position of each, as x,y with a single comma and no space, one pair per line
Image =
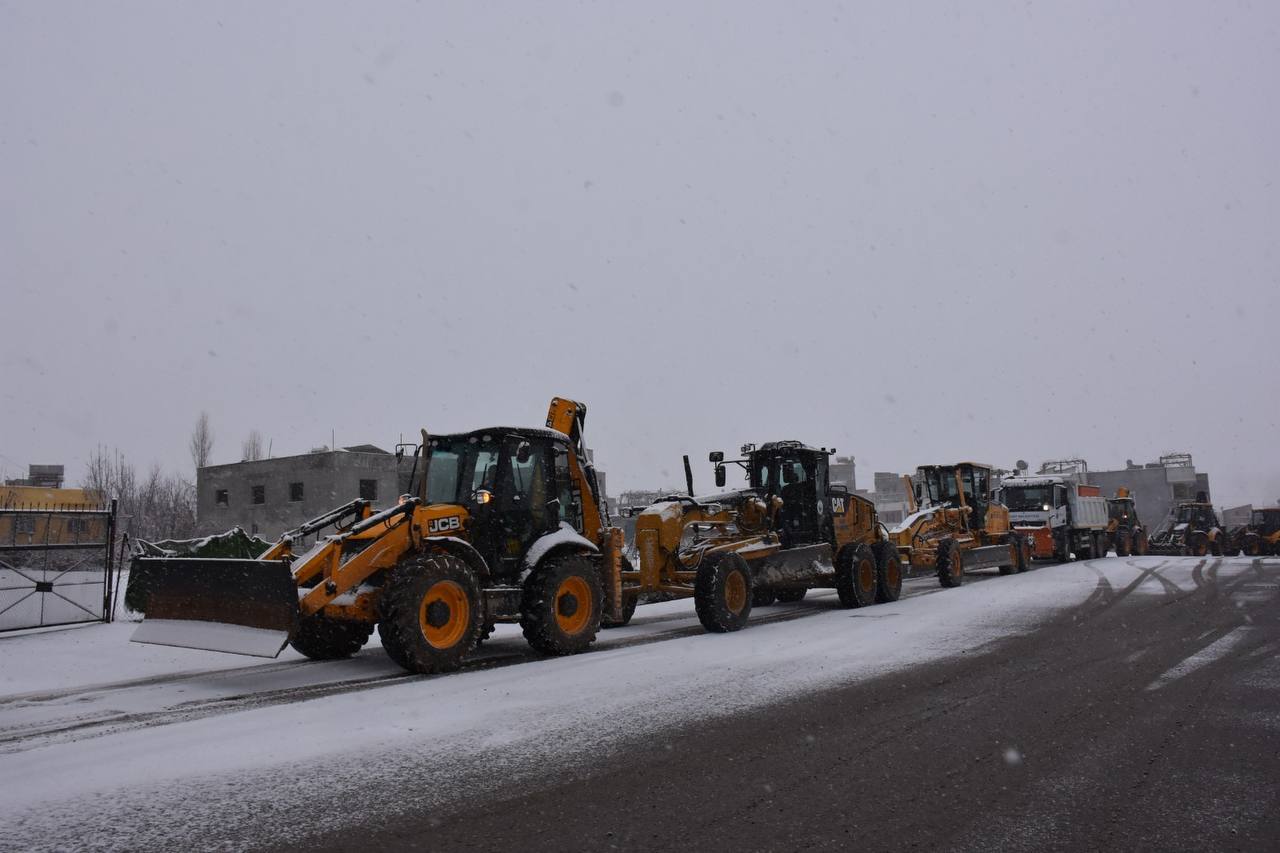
267,770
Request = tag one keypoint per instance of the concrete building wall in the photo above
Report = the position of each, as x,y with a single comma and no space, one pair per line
225,494
1156,488
842,471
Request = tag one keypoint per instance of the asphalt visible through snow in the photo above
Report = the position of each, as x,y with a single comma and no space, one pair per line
1130,722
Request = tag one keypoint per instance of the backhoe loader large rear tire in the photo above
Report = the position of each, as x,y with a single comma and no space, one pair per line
856,575
562,603
722,592
1138,544
888,572
321,638
950,564
431,613
791,596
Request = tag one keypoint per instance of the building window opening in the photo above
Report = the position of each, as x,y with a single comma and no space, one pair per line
259,494
369,490
221,498
295,492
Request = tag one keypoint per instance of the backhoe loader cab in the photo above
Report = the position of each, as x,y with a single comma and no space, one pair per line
1192,529
1126,534
1261,536
504,525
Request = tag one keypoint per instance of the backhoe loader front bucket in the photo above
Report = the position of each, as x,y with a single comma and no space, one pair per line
246,607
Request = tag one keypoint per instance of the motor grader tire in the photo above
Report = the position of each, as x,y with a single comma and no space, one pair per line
950,564
1012,567
1122,543
1252,545
629,603
856,575
791,596
888,573
431,613
1197,544
321,638
722,592
562,603
763,597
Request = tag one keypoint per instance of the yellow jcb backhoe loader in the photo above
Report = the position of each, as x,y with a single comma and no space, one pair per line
955,527
505,525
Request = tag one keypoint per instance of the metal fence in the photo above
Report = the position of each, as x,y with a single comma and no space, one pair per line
55,565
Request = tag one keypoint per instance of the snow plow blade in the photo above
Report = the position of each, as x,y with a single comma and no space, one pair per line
245,607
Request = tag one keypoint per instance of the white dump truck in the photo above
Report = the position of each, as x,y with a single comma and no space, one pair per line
1059,515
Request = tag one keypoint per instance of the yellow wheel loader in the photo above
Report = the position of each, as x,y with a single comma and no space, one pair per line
955,526
505,525
790,530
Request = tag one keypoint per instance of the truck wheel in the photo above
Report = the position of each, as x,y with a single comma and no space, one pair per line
629,603
561,606
1122,543
1252,545
1197,544
791,596
950,564
722,592
763,597
431,613
888,573
856,576
1098,545
321,638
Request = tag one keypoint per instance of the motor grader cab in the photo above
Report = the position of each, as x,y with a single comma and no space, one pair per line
956,526
787,531
504,525
1261,536
1192,529
1125,532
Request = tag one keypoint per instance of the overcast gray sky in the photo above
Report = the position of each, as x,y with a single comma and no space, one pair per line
917,232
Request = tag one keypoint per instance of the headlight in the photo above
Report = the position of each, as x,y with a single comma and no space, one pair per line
1045,507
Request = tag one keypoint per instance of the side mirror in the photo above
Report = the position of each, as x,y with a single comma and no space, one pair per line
719,472
717,456
523,452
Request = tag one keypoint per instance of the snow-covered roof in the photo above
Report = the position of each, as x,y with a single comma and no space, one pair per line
527,432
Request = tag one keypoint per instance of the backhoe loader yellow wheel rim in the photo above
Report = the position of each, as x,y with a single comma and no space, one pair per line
573,605
735,592
866,574
445,614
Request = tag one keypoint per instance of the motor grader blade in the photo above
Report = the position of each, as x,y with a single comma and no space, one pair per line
245,607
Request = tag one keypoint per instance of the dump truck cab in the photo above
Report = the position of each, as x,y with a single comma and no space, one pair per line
1057,514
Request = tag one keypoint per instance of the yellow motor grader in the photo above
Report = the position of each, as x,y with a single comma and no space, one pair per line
790,530
505,525
954,526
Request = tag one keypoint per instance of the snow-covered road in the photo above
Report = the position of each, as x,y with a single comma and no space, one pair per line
111,744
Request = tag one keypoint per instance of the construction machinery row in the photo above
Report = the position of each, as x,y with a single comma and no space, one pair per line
508,525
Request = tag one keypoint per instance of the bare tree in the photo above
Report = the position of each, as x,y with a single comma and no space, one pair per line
201,444
156,506
251,447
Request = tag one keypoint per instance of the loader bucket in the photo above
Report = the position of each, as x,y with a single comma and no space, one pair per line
246,607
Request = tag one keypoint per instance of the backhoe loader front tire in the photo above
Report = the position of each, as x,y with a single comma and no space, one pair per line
321,638
722,592
1197,544
1122,543
888,573
563,600
950,564
856,576
431,613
